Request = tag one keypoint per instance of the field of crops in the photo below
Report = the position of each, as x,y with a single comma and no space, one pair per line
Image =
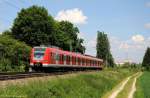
89,85
143,86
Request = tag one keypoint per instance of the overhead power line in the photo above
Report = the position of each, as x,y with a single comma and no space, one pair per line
10,4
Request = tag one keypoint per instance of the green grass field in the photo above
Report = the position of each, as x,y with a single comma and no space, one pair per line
143,86
89,85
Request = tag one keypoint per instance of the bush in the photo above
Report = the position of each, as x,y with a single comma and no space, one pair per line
14,55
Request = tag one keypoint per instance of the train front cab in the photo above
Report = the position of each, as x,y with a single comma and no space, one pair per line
39,57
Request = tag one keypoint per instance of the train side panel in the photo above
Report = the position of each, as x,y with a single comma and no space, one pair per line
51,57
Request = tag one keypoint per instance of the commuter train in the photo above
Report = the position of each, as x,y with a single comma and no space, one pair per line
56,58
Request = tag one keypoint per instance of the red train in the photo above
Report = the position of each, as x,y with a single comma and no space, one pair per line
55,57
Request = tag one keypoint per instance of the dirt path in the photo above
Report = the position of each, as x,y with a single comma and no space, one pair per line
133,89
117,91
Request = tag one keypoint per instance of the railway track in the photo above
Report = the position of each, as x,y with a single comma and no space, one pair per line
13,76
20,75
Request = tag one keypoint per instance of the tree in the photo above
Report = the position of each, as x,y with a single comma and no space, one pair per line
103,49
70,32
146,59
7,33
14,55
110,60
34,26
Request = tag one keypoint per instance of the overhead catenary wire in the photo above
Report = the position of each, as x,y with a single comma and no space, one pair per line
11,4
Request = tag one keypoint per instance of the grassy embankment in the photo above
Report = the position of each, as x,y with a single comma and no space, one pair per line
143,86
81,85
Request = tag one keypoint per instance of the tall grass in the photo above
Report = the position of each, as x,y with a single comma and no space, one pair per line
143,86
91,85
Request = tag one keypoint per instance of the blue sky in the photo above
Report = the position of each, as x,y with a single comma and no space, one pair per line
127,22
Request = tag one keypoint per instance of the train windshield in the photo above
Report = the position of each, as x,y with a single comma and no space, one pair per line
39,53
38,56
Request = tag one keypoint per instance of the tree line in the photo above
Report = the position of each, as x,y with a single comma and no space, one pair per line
34,26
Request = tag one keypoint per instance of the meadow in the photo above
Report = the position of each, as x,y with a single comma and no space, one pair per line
143,86
82,85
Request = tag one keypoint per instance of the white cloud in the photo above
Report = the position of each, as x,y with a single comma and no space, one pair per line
92,43
138,38
124,46
75,16
147,4
147,25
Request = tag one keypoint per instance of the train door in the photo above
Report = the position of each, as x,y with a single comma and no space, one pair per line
82,61
60,58
76,60
65,58
56,58
52,58
73,60
70,59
